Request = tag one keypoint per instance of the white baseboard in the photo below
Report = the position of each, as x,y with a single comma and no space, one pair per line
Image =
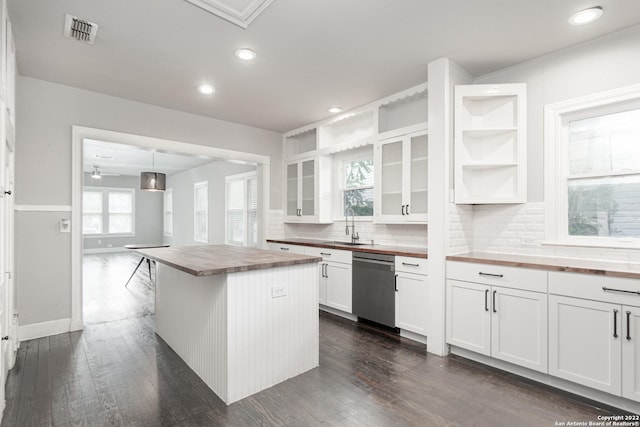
103,250
340,313
44,329
414,337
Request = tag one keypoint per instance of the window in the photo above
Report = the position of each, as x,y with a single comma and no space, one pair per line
357,185
242,209
108,211
597,154
92,212
201,212
168,212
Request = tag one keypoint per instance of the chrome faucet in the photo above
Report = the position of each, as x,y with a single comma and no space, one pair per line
354,234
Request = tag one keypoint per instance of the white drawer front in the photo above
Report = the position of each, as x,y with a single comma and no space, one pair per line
590,286
498,275
411,265
280,247
336,255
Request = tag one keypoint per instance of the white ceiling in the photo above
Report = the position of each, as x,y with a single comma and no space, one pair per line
121,159
311,54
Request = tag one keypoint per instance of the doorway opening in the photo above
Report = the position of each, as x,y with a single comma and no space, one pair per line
110,282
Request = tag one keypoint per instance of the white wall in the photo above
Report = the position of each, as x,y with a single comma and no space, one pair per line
45,114
148,213
602,64
182,188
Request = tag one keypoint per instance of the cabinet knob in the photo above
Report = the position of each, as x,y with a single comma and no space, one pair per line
8,192
5,338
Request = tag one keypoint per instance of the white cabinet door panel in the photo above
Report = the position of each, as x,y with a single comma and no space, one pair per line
338,286
519,327
411,302
583,345
631,353
468,316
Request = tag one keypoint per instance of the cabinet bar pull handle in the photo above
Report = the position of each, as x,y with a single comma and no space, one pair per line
326,270
411,264
325,253
403,210
604,288
408,210
615,323
486,300
396,283
284,249
494,302
490,274
628,325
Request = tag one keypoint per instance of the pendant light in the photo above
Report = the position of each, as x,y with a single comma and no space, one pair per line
153,181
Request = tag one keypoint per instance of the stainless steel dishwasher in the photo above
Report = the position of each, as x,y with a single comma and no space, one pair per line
374,287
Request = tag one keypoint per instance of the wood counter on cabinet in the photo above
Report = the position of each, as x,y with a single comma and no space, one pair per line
243,319
585,266
372,249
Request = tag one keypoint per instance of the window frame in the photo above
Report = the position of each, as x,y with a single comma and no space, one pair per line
245,178
200,238
556,142
167,226
356,154
106,213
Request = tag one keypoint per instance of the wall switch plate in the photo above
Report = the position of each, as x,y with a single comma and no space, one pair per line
65,225
528,241
278,291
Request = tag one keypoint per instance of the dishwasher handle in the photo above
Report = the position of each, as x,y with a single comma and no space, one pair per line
373,261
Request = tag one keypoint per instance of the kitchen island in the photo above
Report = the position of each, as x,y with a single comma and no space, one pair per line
243,319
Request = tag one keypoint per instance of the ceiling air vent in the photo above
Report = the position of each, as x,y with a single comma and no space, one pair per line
80,29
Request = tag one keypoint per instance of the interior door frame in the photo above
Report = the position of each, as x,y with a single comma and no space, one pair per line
80,133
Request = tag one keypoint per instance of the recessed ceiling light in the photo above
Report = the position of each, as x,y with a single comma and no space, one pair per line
246,54
206,89
334,110
586,16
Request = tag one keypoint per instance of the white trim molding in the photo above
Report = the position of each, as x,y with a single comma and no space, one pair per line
44,329
555,157
42,208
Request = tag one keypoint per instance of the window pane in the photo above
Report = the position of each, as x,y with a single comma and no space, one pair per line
236,226
604,144
361,201
201,202
120,223
252,238
359,174
235,194
92,202
605,207
92,223
252,196
120,202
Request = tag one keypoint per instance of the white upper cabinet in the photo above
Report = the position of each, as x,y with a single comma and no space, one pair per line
490,144
300,143
401,179
403,113
308,192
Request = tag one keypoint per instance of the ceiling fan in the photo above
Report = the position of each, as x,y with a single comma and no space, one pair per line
96,174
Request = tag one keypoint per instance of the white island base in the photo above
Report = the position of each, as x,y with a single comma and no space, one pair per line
241,332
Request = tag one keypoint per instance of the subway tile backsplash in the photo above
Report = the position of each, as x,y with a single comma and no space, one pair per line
412,235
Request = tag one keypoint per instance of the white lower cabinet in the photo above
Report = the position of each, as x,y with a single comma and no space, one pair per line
498,321
584,346
411,294
280,247
335,277
631,353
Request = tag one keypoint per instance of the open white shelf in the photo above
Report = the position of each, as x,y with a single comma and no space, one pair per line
490,144
408,113
305,141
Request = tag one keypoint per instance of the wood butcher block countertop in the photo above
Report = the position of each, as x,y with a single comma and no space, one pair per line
585,266
208,260
373,249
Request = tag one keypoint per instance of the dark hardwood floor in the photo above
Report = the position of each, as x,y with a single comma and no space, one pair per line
119,373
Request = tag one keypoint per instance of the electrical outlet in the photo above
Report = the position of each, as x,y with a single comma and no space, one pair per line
65,225
528,241
278,291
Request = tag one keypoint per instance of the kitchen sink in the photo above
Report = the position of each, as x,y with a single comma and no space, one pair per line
335,242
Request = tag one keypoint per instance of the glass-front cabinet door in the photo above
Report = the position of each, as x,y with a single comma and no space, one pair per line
401,184
308,187
391,203
300,186
417,203
292,189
